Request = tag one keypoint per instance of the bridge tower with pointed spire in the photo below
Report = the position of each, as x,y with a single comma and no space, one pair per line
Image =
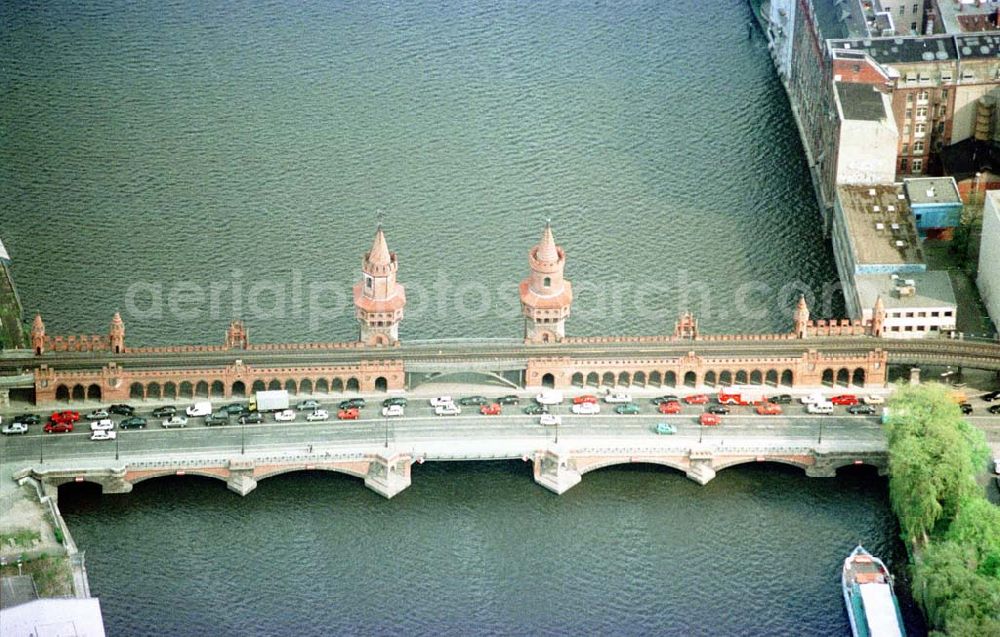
378,298
546,296
116,334
38,335
802,318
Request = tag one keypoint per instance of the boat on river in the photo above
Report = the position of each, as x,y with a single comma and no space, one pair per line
871,603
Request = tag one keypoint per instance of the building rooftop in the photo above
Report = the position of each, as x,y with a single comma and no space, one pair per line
930,289
69,617
902,49
923,191
879,224
967,16
860,102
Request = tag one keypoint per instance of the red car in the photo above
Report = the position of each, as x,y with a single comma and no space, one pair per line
669,408
586,398
58,427
845,399
67,416
348,414
769,409
696,399
709,420
492,409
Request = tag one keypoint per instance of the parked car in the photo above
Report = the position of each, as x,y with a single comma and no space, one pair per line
845,399
536,409
549,397
813,398
392,411
351,413
617,397
769,409
58,427
859,410
966,408
103,434
14,428
199,409
104,424
28,419
175,421
994,409
235,409
285,415
696,399
451,409
825,408
438,401
473,400
709,419
218,419
991,396
318,415
493,409
394,400
251,418
780,399
586,398
665,429
628,409
352,403
508,400
303,405
667,398
586,409
549,420
133,422
98,414
164,412
717,409
672,407
122,410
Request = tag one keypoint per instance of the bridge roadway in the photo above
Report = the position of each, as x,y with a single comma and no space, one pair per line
241,455
512,353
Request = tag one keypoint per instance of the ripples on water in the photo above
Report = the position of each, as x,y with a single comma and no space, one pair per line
172,144
479,548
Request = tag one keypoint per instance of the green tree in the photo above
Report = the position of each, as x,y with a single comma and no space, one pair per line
977,525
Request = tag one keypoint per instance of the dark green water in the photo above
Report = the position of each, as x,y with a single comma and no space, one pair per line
190,162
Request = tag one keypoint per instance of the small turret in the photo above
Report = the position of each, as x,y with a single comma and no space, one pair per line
878,317
378,298
802,318
546,297
38,335
237,335
116,334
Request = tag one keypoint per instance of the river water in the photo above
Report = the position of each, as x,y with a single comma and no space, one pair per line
186,163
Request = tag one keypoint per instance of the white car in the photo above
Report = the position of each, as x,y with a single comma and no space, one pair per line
449,409
587,409
15,428
102,425
285,415
318,414
201,408
175,421
820,408
392,410
103,434
618,397
550,420
440,401
812,398
98,414
549,398
873,400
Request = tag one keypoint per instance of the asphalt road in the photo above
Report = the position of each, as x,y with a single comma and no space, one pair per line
420,425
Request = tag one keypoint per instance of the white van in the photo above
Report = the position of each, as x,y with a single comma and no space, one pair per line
549,397
824,407
201,408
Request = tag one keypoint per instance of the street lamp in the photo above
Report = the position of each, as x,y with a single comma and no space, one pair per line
385,419
243,436
116,445
557,432
820,440
41,448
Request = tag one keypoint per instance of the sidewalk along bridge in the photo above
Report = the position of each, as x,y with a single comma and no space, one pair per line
388,471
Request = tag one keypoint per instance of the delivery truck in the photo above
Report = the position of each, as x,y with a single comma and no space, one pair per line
274,400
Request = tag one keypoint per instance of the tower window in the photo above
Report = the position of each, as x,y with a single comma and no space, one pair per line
368,282
547,281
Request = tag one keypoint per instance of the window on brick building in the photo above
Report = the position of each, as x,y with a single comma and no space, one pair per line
944,91
913,27
916,8
909,98
917,166
906,129
902,9
922,96
920,128
909,113
922,111
903,166
906,149
918,147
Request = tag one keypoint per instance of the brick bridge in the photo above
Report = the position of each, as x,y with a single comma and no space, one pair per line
387,472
